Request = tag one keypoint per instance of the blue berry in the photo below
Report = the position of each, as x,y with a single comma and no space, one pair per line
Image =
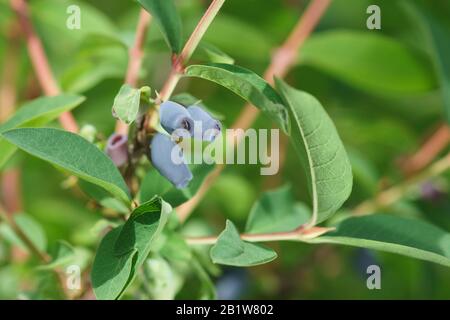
210,127
174,116
167,158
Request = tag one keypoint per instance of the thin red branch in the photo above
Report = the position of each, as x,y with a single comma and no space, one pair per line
39,61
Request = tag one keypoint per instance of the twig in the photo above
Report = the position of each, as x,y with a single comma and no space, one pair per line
11,190
40,62
281,62
299,234
180,61
437,142
136,54
10,180
8,92
391,195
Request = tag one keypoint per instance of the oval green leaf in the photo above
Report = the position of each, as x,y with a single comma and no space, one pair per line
231,250
111,273
321,151
73,153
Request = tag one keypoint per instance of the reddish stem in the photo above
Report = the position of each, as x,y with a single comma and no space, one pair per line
40,62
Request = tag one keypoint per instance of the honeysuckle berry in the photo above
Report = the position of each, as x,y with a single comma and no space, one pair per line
117,149
210,127
167,158
174,116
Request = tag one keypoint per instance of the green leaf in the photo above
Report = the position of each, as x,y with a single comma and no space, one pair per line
154,184
166,16
321,152
369,61
409,237
126,104
231,250
111,273
276,211
142,228
72,153
247,85
34,114
125,249
30,227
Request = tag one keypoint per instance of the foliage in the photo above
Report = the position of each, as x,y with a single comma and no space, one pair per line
354,104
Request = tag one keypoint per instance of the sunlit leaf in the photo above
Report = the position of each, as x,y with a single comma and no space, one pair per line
321,152
231,250
72,153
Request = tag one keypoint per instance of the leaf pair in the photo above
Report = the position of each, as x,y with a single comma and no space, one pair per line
124,249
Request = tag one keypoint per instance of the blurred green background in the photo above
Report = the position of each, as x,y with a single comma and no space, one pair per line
383,105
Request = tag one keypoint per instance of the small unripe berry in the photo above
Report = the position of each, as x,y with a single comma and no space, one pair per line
210,127
167,158
174,116
117,149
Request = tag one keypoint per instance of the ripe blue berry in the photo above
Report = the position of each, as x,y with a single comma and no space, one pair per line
174,116
117,149
167,158
210,127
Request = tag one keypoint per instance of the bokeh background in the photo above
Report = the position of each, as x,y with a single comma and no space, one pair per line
383,116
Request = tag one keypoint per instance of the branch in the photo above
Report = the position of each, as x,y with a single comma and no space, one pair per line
180,61
10,180
136,54
282,61
39,61
299,234
437,142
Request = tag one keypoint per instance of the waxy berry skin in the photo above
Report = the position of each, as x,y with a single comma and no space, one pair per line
210,127
174,116
167,158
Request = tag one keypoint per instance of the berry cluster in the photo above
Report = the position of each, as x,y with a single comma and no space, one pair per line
193,122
